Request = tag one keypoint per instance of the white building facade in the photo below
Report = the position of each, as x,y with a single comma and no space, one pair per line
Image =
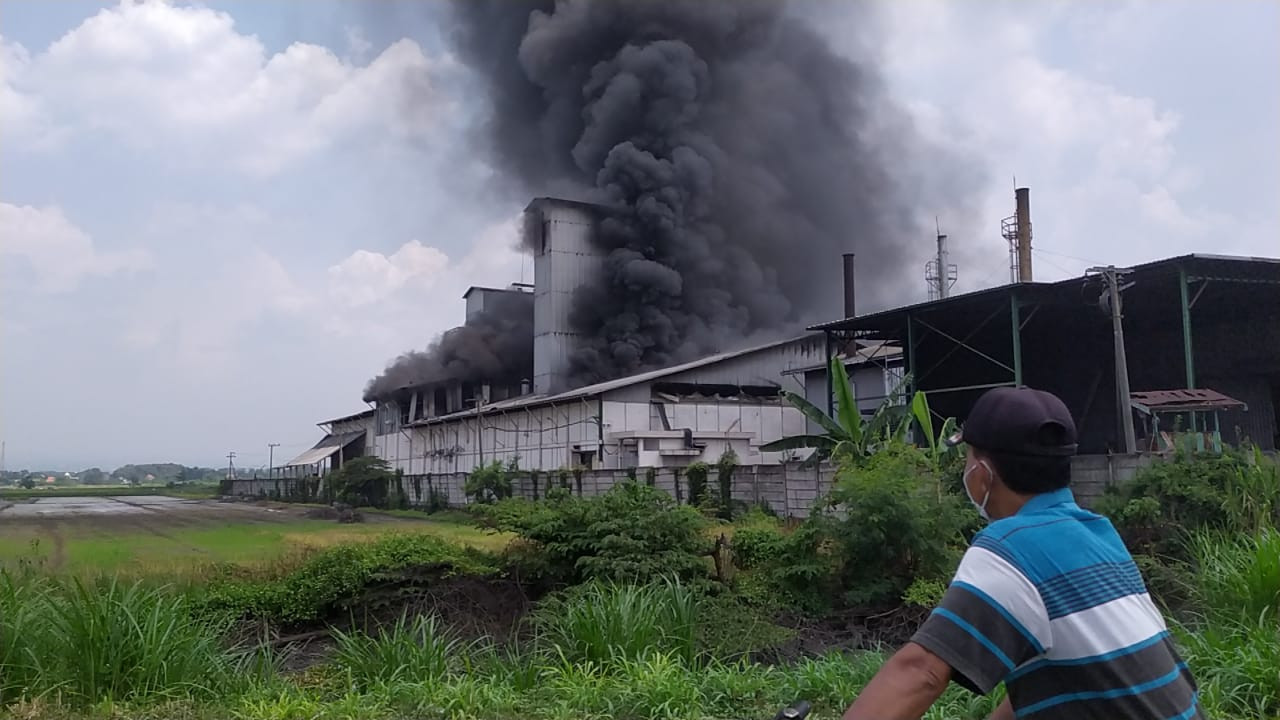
665,418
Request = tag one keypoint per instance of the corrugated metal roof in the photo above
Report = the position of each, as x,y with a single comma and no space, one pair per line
344,418
609,385
1183,400
312,456
872,351
1198,266
327,446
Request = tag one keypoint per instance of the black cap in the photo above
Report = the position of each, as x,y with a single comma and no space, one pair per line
1019,421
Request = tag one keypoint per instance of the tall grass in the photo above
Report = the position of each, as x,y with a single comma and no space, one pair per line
1232,641
417,648
1238,576
608,623
20,599
90,642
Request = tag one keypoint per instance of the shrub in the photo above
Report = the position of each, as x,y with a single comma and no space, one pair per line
632,533
898,524
724,476
366,481
337,576
888,525
697,474
488,483
1237,491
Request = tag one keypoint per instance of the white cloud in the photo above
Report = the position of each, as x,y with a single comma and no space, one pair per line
366,277
184,82
1102,160
58,252
419,282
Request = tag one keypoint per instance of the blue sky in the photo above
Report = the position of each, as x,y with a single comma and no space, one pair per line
218,220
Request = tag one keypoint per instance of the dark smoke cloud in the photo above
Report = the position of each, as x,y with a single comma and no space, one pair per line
496,345
741,153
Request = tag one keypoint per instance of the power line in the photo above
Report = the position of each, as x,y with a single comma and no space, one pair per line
1069,257
1052,263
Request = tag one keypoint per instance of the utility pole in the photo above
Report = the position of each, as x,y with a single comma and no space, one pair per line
231,466
1111,276
271,459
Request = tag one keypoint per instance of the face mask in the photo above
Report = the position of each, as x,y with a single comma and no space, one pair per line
981,507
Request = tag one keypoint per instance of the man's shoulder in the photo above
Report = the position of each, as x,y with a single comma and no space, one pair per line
1047,546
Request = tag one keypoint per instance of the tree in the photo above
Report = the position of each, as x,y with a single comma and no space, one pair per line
846,432
363,481
94,476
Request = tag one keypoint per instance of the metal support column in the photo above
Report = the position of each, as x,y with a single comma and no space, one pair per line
826,335
1186,329
912,386
1016,325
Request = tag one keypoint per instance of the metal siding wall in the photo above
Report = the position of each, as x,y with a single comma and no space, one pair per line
568,261
759,368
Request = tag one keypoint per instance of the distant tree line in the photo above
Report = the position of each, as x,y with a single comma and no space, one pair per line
147,473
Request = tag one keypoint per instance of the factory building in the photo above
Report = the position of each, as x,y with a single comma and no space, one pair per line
1197,326
668,417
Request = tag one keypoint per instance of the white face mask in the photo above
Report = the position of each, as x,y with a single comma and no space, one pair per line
981,507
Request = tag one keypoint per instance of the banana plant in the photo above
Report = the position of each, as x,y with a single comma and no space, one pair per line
846,431
938,448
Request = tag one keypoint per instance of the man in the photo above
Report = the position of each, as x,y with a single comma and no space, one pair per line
1047,600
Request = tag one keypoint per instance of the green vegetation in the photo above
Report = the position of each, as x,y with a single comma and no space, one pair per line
633,533
367,481
640,607
194,491
193,546
846,433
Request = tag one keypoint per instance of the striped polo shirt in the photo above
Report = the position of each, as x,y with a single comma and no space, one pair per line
1050,602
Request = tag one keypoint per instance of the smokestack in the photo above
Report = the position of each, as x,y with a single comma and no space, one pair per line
849,306
1022,211
666,112
943,285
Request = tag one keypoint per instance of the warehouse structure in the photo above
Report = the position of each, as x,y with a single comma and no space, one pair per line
1191,322
669,417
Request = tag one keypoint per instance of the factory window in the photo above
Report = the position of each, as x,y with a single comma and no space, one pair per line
387,417
440,401
651,444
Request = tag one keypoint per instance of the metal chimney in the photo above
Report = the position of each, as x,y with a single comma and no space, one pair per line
849,307
1022,213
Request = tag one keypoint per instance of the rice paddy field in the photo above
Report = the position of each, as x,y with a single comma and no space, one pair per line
148,535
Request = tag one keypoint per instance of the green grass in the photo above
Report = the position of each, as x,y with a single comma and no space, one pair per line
89,547
114,650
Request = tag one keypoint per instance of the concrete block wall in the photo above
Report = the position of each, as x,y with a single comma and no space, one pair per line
789,490
1091,475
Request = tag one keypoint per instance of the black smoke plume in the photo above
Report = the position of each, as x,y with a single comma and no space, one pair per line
741,154
496,345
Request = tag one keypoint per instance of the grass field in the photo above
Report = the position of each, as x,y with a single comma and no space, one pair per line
183,491
186,540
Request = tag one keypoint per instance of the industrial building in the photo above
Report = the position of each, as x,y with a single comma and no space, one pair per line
1196,322
668,417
